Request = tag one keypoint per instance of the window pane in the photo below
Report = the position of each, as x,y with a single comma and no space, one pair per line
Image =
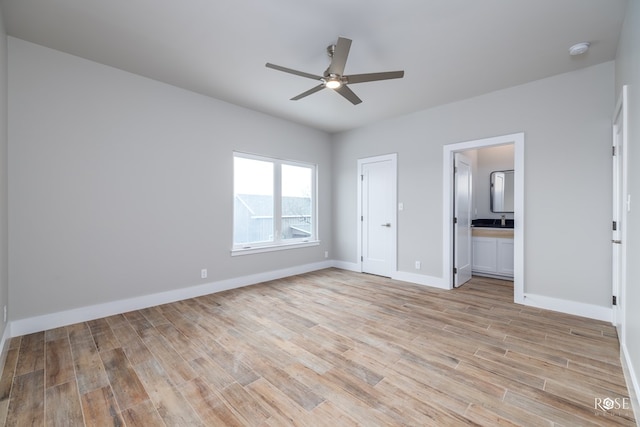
297,203
253,201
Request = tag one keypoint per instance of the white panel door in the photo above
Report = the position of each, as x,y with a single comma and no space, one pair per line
377,218
462,227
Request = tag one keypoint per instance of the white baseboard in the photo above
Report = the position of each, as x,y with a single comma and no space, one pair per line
349,266
632,380
83,314
569,307
420,279
4,346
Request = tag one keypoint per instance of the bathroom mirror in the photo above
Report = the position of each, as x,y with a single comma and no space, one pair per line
501,193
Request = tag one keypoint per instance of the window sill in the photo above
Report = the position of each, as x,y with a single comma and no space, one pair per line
272,248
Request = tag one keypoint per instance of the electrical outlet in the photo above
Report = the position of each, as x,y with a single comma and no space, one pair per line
5,314
326,254
203,273
418,265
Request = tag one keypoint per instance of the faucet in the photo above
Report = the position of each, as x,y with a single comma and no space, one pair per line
503,220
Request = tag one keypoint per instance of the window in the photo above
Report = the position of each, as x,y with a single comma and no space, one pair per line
274,203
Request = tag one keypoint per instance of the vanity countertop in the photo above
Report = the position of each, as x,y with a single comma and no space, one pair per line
504,233
492,223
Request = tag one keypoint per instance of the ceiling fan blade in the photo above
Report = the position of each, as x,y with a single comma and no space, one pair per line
371,77
339,58
348,93
296,72
309,92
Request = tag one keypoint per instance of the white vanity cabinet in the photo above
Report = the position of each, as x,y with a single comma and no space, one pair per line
493,252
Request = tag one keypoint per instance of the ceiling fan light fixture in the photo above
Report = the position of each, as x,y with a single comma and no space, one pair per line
333,84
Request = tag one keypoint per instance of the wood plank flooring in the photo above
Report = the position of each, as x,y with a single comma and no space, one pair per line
329,348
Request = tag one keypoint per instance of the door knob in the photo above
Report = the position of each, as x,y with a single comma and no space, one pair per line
617,242
387,224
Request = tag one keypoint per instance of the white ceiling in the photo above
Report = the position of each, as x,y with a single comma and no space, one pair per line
450,49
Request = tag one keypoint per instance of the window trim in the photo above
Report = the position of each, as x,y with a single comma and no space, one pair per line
271,248
278,243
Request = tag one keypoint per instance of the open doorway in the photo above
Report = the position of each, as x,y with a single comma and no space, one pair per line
518,212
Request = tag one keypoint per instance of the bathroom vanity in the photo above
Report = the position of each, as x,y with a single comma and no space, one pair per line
492,251
492,238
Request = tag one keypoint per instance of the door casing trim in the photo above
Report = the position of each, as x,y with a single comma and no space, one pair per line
618,312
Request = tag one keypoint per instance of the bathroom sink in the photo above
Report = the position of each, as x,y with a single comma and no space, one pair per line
492,223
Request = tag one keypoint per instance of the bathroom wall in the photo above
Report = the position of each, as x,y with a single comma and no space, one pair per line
488,160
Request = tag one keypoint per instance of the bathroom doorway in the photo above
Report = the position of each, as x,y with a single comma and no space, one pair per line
517,141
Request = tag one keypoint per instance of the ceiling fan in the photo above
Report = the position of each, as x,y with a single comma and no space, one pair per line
334,78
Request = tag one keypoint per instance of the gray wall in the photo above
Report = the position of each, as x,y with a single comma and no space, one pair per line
4,252
628,73
567,125
121,186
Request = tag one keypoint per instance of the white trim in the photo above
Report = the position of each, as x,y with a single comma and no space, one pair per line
591,311
517,139
416,279
632,381
349,266
272,248
83,314
4,346
393,158
622,109
420,279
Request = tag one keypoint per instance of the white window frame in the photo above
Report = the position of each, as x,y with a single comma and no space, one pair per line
278,243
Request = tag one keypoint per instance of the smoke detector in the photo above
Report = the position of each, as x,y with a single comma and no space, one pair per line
579,48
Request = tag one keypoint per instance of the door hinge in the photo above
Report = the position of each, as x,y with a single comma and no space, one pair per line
455,270
361,258
362,218
615,225
455,169
613,150
361,177
455,220
615,300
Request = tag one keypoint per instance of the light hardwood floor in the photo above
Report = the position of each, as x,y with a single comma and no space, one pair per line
330,348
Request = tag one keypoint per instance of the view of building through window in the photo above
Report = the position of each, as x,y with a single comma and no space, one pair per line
296,202
265,189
